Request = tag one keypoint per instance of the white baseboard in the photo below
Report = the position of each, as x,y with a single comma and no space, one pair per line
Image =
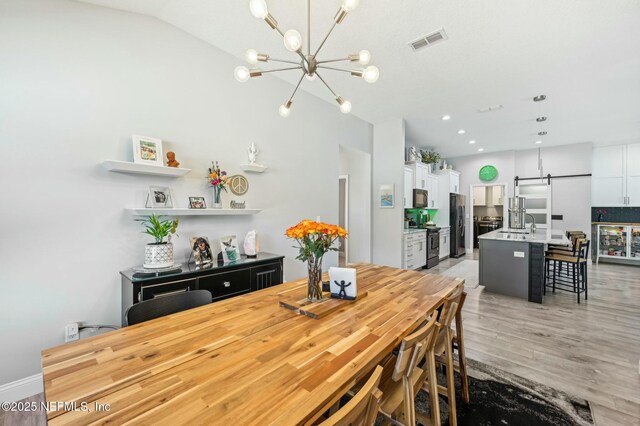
468,250
22,388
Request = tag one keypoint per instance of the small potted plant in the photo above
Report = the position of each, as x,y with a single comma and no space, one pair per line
430,157
160,253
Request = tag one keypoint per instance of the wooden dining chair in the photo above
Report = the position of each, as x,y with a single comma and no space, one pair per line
362,409
400,387
166,305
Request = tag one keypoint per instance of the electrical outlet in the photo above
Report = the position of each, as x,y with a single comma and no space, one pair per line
71,332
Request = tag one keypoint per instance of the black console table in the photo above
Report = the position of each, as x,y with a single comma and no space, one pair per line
223,280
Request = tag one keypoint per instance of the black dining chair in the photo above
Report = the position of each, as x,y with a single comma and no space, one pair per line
166,305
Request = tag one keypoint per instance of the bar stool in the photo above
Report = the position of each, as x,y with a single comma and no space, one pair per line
576,263
568,250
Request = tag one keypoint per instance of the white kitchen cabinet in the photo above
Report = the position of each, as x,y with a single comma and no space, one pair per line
497,196
415,250
633,175
433,188
408,187
445,235
479,196
616,176
421,172
454,182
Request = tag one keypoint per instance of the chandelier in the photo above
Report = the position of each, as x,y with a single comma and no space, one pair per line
309,63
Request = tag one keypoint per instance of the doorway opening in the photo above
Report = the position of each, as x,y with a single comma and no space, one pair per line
489,211
343,219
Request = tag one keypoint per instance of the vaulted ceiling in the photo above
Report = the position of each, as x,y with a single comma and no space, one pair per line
583,54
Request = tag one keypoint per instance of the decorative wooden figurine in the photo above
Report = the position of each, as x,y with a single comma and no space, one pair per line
171,157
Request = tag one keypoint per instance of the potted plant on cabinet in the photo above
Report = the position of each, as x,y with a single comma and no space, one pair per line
159,254
430,157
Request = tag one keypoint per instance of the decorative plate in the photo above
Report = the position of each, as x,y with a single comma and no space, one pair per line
488,173
238,184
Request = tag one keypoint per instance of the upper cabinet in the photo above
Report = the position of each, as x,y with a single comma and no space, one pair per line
421,175
408,187
433,190
454,182
497,197
480,196
616,176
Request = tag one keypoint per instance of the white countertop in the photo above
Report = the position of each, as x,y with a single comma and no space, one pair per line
545,236
414,230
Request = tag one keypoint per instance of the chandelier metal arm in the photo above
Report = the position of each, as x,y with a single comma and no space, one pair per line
296,89
325,38
283,61
334,69
325,83
299,67
334,60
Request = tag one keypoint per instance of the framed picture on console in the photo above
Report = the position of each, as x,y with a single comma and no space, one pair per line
147,150
201,251
229,247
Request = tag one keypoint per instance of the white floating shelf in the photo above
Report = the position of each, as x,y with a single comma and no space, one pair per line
254,168
194,212
143,169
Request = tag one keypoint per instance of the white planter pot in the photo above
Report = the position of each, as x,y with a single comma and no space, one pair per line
158,255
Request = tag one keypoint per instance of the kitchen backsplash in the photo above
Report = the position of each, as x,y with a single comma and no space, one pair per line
616,214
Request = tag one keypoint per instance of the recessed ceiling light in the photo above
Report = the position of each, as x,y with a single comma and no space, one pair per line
480,149
542,133
539,98
472,142
462,131
446,117
541,119
538,142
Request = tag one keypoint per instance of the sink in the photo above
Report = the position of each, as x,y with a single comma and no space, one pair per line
514,232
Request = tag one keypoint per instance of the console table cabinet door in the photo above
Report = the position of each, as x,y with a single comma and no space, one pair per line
226,284
266,276
153,291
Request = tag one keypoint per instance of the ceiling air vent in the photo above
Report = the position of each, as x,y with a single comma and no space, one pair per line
429,39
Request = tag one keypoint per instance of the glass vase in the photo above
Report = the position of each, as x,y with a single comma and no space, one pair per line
314,285
217,202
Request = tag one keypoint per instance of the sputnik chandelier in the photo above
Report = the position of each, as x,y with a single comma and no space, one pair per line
309,63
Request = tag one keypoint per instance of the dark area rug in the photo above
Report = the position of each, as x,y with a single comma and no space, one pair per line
498,398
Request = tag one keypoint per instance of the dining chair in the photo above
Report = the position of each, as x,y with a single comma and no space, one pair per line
166,305
362,409
447,341
400,387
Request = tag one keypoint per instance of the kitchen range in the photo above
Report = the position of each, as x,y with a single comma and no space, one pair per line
422,241
484,225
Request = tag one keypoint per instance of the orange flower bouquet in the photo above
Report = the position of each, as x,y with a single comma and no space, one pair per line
218,180
314,240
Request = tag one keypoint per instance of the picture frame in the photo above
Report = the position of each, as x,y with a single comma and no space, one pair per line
160,197
147,150
386,198
342,283
229,248
201,250
197,203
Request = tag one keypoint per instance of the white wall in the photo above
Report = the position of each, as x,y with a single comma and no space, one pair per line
570,197
75,82
357,165
388,158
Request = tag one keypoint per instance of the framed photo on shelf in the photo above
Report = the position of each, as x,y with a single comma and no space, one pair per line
386,196
201,250
160,197
147,150
197,203
229,247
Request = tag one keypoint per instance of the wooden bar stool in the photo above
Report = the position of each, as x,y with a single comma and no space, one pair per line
403,378
576,263
362,409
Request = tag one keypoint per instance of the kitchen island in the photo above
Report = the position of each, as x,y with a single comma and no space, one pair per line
512,261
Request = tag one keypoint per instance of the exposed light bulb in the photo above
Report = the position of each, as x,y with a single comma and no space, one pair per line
258,8
292,40
242,74
364,57
311,77
462,132
446,117
371,74
251,56
350,5
345,107
284,111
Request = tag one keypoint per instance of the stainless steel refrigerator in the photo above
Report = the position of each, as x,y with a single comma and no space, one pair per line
457,222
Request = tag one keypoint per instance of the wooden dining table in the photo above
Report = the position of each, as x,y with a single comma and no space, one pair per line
245,360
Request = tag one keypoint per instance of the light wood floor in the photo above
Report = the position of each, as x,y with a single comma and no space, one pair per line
591,350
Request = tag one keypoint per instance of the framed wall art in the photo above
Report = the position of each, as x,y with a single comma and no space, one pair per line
386,197
160,197
147,150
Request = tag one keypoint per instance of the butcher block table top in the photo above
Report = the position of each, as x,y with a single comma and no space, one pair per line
242,361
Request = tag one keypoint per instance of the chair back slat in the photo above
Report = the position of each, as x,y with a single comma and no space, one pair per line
413,349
